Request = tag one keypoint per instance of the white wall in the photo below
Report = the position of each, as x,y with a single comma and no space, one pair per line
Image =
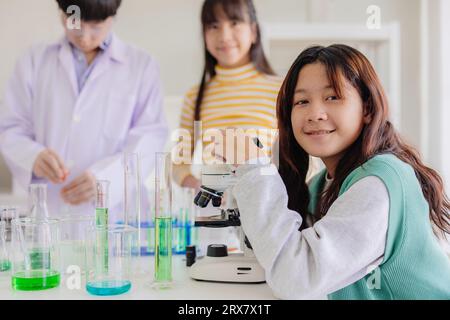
170,31
436,105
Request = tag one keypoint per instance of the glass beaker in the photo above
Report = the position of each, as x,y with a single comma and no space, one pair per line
35,254
116,278
73,242
163,221
5,264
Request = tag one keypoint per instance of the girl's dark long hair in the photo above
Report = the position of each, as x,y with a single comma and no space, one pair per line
377,137
235,10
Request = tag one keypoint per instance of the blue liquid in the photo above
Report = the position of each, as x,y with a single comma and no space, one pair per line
185,235
108,288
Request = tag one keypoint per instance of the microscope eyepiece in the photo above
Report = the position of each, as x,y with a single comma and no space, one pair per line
205,195
216,201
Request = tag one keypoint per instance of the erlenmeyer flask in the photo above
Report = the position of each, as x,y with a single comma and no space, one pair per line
38,202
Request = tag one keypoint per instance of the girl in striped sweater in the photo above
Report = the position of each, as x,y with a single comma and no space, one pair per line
238,87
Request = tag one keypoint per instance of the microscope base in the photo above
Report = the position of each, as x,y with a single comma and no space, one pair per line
235,268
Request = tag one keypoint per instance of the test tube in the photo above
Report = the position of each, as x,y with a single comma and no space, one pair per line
132,197
5,264
163,221
101,218
192,209
179,223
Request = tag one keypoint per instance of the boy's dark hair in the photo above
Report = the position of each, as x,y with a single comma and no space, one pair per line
92,10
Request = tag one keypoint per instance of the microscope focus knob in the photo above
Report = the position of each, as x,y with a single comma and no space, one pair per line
217,250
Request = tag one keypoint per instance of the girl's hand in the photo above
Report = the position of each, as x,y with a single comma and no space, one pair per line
237,148
191,182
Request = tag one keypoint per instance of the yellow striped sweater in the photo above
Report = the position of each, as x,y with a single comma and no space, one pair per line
241,98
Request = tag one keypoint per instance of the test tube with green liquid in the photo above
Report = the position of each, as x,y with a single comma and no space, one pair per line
163,221
5,264
101,220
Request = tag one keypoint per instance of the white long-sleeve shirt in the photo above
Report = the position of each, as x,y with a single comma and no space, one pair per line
336,251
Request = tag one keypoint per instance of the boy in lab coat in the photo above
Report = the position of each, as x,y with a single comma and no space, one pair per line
73,108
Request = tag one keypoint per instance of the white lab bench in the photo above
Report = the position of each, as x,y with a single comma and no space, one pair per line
184,288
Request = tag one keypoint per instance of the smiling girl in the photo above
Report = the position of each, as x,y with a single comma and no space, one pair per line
238,88
363,227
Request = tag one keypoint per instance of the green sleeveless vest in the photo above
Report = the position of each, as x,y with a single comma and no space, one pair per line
414,264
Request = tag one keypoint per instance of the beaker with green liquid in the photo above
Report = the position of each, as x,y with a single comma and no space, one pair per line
35,254
116,278
163,221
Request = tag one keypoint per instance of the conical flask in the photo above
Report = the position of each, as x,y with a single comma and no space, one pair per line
38,202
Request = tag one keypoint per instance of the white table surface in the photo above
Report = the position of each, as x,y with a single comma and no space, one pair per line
183,288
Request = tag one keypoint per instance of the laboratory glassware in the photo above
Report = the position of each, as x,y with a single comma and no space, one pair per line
116,278
35,254
163,221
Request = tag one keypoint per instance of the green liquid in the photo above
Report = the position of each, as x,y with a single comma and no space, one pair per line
5,265
163,249
101,219
40,259
35,280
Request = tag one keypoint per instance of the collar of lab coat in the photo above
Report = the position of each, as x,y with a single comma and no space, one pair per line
116,52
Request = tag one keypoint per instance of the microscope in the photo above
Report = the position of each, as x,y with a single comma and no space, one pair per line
219,265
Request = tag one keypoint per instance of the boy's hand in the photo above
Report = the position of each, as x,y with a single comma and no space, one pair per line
50,166
81,189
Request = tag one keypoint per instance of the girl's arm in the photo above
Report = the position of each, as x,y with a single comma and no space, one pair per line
182,168
338,250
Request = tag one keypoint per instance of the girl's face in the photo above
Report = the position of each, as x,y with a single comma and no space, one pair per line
229,41
90,36
325,125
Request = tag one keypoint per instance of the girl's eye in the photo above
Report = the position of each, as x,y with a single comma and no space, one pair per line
212,26
301,102
234,23
332,98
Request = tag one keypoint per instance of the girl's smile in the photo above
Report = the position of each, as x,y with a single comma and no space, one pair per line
229,40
